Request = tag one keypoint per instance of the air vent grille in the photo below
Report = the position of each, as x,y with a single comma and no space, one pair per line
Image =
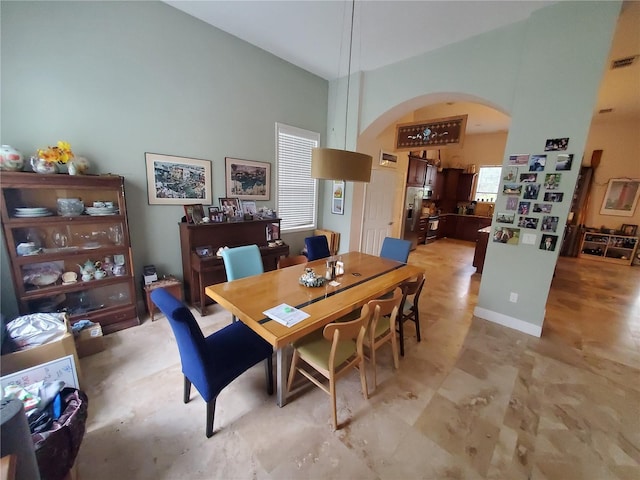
624,62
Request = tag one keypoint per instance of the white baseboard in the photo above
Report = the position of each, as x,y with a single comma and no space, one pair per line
508,321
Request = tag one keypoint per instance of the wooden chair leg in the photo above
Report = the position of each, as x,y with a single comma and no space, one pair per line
211,410
416,319
373,363
401,334
363,380
292,371
268,366
332,392
187,390
394,350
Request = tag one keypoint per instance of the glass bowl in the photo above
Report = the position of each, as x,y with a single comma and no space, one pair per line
70,207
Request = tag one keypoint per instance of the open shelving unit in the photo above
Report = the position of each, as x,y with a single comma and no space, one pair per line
608,247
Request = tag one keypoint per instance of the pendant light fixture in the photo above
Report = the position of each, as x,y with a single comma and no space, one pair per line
335,164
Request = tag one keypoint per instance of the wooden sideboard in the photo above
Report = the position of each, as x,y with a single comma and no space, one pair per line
199,272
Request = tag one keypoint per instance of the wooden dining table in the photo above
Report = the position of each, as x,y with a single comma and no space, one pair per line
365,278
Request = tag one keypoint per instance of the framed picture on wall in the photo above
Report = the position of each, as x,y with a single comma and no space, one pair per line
621,197
247,180
177,180
337,198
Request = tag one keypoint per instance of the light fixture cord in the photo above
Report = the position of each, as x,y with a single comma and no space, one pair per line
346,114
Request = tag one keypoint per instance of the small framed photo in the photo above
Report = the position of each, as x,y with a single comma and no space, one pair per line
542,207
553,144
531,191
528,222
549,223
249,207
512,203
548,242
552,181
553,197
564,161
521,159
204,252
216,215
194,213
537,163
505,217
524,208
511,189
230,207
629,230
529,177
510,174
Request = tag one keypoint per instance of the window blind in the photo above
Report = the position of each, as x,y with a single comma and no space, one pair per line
296,201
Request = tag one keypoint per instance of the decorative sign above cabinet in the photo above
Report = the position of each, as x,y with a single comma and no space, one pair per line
438,133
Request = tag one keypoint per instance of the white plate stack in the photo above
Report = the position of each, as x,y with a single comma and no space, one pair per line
30,212
99,211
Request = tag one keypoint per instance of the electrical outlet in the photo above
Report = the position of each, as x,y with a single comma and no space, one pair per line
513,297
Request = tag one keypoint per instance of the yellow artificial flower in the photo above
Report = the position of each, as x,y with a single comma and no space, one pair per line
61,153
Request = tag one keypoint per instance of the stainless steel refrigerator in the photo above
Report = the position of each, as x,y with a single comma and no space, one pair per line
413,210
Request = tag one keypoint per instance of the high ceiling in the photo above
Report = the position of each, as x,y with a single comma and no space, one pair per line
314,35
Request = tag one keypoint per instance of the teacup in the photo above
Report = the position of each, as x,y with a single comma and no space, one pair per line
279,242
69,277
98,204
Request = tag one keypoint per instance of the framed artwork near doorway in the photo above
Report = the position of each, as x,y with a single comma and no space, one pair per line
337,198
621,197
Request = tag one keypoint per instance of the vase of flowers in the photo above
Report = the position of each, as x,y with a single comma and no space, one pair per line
49,158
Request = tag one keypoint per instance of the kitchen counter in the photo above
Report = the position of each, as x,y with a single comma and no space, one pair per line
462,227
481,248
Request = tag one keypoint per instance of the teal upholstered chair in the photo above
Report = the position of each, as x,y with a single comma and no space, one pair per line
395,249
240,262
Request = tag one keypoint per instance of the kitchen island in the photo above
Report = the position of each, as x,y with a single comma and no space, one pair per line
481,248
462,227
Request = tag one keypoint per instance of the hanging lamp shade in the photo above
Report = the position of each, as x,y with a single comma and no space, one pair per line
334,164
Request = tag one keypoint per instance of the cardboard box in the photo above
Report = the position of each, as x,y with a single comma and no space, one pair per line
90,341
16,361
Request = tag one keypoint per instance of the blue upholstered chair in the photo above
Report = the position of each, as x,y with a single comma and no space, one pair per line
395,249
240,262
317,247
211,363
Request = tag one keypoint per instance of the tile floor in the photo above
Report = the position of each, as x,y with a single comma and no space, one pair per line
473,400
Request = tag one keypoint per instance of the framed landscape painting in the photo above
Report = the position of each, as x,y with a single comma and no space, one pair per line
247,180
177,180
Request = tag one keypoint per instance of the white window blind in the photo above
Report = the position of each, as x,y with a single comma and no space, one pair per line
297,196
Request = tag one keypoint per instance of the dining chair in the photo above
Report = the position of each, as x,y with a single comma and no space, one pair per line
317,247
244,261
382,328
289,261
240,262
211,363
409,307
333,353
395,249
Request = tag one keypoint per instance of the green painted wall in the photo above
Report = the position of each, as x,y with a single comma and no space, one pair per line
117,79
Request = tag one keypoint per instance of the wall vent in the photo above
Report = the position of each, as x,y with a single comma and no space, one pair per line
605,110
624,62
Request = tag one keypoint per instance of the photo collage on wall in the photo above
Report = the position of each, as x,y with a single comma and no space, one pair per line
530,185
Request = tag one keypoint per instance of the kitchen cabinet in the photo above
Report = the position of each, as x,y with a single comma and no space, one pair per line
417,172
431,177
481,248
423,223
48,251
462,227
453,185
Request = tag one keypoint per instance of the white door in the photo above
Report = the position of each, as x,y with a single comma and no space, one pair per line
378,210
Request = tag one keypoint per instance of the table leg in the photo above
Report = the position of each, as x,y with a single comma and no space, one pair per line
282,369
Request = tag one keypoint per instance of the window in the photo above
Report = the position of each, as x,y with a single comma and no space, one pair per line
297,192
488,183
